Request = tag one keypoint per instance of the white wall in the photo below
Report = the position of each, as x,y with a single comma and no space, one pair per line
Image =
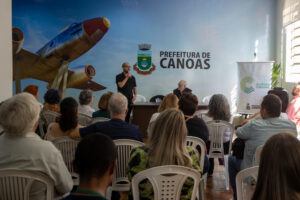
5,50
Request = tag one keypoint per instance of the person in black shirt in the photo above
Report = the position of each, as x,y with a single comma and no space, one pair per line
196,127
127,86
181,89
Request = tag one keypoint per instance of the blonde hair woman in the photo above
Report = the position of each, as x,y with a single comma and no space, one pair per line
167,146
169,101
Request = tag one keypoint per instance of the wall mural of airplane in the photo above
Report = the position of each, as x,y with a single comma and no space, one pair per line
50,63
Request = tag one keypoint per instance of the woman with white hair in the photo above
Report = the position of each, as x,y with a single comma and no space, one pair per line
21,148
86,99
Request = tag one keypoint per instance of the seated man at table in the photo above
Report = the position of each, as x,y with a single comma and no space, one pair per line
116,128
256,132
181,89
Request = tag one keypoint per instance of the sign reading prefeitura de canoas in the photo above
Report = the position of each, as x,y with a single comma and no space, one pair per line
170,60
184,60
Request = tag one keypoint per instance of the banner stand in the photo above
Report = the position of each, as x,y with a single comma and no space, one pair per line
254,83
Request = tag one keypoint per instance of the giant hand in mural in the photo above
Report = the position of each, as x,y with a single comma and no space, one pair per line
50,63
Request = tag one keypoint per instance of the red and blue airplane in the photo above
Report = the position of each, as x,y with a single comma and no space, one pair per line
50,63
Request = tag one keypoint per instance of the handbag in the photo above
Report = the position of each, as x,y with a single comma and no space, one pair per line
238,147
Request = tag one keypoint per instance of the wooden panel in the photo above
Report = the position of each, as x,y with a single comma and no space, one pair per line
141,116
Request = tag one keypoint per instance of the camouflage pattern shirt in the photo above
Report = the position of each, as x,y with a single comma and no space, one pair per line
139,161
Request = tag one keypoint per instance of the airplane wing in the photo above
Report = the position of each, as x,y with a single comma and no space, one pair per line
30,65
92,85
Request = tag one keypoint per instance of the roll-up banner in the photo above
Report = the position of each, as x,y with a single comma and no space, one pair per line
254,84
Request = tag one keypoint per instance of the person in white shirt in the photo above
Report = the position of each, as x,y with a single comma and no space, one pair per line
21,148
86,99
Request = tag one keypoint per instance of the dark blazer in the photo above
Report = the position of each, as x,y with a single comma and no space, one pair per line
178,93
197,128
114,128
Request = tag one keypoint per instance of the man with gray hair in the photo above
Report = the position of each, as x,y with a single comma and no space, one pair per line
116,128
86,99
21,148
181,89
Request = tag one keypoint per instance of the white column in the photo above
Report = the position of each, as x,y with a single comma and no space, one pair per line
5,50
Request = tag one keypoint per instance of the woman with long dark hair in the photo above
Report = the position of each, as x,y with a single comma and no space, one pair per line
279,169
68,121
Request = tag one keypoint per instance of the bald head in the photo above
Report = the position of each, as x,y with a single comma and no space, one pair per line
296,89
182,85
126,67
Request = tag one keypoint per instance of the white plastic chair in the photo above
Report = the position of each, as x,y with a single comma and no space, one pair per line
120,181
206,99
67,147
245,180
167,182
257,155
84,120
217,128
46,118
194,142
16,184
140,99
99,119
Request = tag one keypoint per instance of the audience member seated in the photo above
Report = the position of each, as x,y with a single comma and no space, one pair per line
169,101
68,121
196,127
103,106
279,168
34,90
86,99
218,109
293,110
52,99
95,169
181,89
21,148
167,146
256,132
116,128
284,97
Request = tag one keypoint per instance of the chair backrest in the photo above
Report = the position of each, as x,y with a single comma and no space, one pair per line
195,142
157,99
84,120
206,99
99,119
217,129
124,148
257,155
46,118
140,99
16,184
67,147
246,182
167,181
